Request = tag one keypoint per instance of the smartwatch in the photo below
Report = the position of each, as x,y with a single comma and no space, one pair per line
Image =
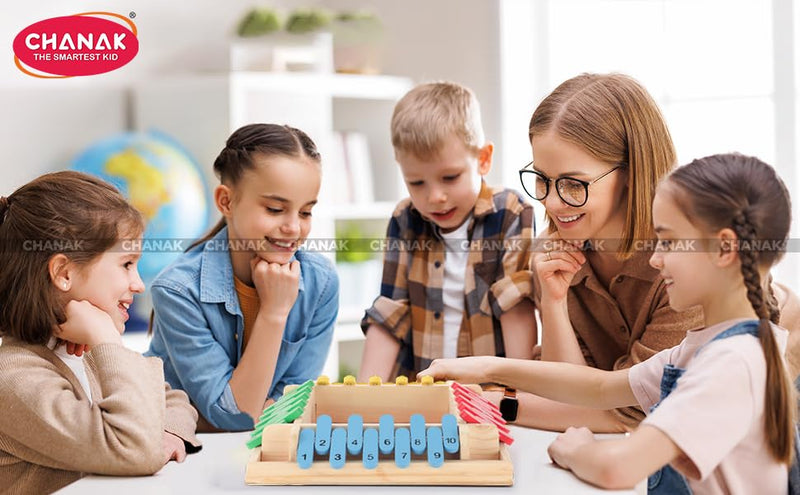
509,405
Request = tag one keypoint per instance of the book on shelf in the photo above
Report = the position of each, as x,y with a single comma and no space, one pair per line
351,169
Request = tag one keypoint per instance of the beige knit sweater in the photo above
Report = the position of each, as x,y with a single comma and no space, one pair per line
50,434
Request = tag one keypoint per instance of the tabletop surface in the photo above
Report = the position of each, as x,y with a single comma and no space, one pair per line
220,468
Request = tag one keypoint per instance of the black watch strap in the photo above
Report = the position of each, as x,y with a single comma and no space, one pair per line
509,406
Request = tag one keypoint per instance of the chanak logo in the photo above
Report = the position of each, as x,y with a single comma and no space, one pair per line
76,45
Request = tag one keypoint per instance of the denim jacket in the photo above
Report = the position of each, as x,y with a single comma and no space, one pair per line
198,328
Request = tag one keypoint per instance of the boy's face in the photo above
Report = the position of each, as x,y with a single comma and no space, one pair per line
444,188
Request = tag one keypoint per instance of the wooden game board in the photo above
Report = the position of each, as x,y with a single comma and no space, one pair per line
400,416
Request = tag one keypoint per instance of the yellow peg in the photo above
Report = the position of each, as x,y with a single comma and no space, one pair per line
323,380
375,380
349,380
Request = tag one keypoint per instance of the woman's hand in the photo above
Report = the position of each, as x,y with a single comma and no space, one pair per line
174,448
471,369
276,284
563,448
87,326
556,268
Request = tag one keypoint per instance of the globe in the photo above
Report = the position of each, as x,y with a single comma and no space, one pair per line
161,180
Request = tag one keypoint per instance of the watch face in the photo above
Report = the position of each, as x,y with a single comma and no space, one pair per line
508,408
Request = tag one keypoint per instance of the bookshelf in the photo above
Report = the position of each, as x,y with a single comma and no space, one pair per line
201,111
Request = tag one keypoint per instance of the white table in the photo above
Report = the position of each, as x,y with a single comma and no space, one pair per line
220,466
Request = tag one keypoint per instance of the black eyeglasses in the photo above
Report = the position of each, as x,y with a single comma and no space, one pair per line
574,192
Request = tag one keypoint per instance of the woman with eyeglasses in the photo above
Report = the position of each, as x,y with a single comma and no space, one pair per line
600,146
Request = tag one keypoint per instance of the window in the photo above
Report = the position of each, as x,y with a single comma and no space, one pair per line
723,72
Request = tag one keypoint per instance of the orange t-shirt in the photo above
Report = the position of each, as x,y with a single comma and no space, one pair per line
249,302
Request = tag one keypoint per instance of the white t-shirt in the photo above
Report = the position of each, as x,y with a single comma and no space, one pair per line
455,267
74,363
716,413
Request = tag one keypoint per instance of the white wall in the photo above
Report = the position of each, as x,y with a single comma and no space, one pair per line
45,122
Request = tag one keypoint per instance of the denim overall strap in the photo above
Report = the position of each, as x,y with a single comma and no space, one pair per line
669,380
741,328
668,480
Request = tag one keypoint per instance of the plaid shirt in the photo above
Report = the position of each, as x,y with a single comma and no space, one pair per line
497,278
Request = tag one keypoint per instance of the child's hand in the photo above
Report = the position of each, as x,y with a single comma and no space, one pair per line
276,284
174,448
77,349
556,268
565,446
465,370
87,325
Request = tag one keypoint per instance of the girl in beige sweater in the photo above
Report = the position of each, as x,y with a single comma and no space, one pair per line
68,255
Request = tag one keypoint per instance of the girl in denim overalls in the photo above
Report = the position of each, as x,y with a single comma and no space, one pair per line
721,404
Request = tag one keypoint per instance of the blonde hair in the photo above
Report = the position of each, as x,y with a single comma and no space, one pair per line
430,113
614,119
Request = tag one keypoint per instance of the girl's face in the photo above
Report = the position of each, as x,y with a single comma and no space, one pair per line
270,212
603,214
681,255
110,281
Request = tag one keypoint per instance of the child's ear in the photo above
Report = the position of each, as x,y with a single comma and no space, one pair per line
485,158
223,199
728,248
61,271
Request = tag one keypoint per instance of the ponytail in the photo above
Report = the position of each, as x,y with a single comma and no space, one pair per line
210,235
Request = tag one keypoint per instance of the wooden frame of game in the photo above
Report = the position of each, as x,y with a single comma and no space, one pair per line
481,459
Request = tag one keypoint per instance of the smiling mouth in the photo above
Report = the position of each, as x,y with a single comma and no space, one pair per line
123,308
282,245
569,219
443,215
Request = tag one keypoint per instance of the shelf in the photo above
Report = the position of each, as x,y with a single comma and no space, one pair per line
201,110
362,87
378,210
356,86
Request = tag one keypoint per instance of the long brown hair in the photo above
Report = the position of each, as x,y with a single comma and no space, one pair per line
68,213
746,195
614,119
252,141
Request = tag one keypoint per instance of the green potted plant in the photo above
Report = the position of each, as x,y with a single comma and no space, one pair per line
303,21
258,22
357,42
265,42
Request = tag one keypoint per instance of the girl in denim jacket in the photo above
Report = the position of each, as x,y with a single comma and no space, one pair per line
243,312
721,403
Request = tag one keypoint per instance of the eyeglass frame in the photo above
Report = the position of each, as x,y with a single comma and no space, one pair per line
547,180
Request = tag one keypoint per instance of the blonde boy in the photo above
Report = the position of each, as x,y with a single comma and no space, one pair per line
455,278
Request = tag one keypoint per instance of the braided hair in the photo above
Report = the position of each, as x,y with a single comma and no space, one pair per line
744,194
